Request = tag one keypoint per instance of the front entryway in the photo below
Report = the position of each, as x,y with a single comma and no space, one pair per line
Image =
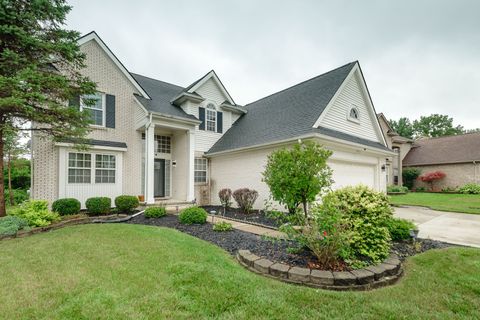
159,178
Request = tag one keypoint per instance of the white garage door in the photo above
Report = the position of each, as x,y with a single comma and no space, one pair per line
350,174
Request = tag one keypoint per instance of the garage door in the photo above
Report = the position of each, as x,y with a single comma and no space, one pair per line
350,174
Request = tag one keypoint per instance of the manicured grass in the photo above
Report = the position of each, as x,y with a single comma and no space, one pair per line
120,271
467,203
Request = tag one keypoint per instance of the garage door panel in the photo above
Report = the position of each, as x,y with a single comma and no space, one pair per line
351,174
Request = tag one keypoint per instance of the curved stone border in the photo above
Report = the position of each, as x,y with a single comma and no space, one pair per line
368,278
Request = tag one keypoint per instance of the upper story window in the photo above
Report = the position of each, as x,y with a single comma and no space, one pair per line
354,115
95,105
163,144
211,117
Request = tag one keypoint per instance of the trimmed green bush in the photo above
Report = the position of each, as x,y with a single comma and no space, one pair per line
393,188
66,206
470,188
409,176
98,205
155,212
36,213
400,228
193,215
365,213
222,226
10,225
126,203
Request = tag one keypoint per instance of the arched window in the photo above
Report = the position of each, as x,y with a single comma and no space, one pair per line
354,114
211,117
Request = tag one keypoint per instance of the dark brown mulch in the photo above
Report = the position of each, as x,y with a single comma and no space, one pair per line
256,216
274,250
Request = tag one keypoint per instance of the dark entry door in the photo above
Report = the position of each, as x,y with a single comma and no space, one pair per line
159,180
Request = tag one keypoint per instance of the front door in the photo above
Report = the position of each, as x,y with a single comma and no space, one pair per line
159,179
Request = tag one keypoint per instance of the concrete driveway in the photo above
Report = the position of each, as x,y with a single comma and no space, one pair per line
451,227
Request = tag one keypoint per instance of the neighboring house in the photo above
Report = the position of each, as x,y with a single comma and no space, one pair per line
400,145
457,156
177,144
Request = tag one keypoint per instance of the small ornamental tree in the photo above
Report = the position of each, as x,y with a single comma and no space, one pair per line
409,176
298,175
432,177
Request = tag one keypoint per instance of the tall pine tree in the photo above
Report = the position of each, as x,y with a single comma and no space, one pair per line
40,63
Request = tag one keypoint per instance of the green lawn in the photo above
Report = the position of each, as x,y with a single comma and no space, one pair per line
119,271
467,203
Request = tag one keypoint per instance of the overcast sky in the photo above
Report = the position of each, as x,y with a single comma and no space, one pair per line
418,57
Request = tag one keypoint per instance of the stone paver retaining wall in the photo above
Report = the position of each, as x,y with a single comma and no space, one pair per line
371,277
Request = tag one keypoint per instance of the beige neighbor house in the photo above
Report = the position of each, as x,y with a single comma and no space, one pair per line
457,156
180,144
400,145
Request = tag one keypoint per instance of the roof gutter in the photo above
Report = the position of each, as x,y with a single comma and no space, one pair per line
179,119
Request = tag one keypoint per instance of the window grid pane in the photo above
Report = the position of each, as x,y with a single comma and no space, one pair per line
95,110
105,165
79,165
200,174
163,144
211,120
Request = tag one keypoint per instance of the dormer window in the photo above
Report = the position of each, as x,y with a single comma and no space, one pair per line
354,115
211,117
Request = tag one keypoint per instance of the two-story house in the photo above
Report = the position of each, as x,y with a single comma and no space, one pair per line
166,142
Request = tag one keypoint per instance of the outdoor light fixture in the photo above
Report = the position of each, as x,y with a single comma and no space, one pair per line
383,168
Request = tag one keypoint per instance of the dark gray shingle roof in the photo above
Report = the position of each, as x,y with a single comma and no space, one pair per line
161,94
288,114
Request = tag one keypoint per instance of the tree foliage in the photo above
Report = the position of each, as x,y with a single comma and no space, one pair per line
434,125
409,176
403,127
40,63
298,175
432,177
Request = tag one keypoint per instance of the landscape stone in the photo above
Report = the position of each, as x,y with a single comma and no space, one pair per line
344,278
379,271
249,259
299,274
363,276
322,277
390,269
279,270
262,265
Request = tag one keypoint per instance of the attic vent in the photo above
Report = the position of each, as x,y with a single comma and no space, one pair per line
354,115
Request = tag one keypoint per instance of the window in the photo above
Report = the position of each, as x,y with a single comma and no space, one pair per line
104,168
95,105
200,170
354,115
79,167
163,144
211,117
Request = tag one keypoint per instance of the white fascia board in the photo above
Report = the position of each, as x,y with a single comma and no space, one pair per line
339,142
213,75
89,147
94,36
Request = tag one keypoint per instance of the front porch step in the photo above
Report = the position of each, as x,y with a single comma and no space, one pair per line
172,205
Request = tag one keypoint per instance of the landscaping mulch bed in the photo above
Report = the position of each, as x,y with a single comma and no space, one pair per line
275,250
254,217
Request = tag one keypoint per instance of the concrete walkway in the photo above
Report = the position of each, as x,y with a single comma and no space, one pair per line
261,231
451,227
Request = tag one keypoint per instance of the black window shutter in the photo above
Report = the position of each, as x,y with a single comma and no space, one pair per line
74,102
110,111
201,113
219,122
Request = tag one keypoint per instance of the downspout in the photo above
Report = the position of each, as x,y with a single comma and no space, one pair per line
475,171
145,182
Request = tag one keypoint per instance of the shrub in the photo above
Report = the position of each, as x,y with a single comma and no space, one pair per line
36,213
193,215
225,196
10,225
409,176
98,205
298,175
126,203
394,188
19,196
245,199
155,212
432,177
66,206
222,226
420,189
449,189
399,228
470,188
364,214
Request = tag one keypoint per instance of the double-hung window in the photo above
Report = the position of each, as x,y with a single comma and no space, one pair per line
95,105
81,168
211,118
201,170
104,168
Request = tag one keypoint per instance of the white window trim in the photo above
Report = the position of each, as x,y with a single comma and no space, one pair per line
104,110
93,168
214,110
352,119
78,168
106,169
206,172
